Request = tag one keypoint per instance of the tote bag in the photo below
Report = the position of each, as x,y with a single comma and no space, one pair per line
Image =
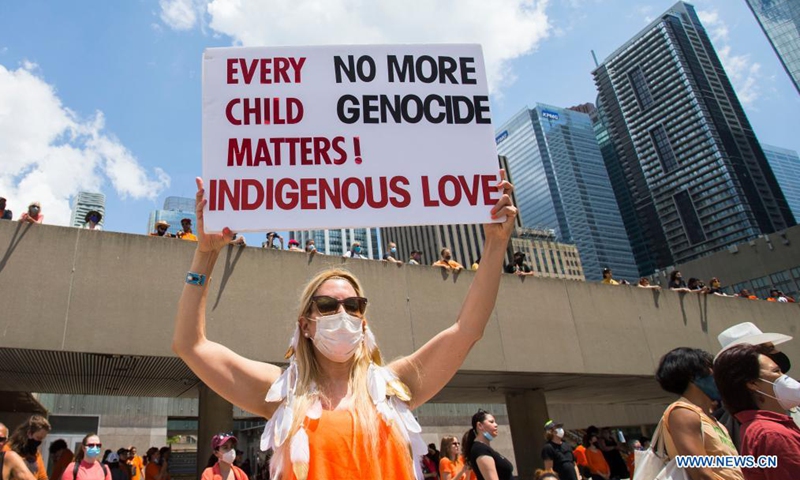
653,464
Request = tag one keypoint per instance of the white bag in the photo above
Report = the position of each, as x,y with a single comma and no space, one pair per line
652,464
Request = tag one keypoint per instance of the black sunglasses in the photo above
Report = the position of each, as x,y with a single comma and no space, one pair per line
90,445
329,305
3,439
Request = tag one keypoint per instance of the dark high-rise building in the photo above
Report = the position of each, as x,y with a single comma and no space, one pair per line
561,184
780,20
688,172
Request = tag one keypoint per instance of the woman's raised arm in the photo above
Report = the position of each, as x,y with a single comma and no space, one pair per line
428,370
241,381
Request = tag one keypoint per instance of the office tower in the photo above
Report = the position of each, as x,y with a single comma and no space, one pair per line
175,209
83,203
780,21
338,241
685,154
786,167
561,184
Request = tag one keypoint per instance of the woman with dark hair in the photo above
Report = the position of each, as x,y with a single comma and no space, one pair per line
758,394
224,446
62,456
688,427
465,456
676,282
598,467
483,459
452,466
87,465
25,442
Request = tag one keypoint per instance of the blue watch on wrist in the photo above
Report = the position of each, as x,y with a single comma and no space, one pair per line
195,279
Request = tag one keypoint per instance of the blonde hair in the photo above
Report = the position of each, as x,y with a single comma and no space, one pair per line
309,374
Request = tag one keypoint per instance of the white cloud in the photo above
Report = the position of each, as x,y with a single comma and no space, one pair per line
179,14
744,73
507,29
49,154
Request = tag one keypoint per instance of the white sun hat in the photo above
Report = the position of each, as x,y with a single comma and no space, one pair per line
748,334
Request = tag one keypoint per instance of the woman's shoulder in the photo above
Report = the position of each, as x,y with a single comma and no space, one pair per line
479,448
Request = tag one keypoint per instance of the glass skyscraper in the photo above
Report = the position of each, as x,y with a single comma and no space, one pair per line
85,202
780,20
786,167
685,162
561,184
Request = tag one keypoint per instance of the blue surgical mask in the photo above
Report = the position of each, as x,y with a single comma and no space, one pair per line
488,436
706,385
393,250
93,452
94,218
357,249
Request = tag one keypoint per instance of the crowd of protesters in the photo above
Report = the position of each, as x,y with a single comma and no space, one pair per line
21,457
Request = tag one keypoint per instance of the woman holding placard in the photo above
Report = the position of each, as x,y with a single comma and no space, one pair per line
336,405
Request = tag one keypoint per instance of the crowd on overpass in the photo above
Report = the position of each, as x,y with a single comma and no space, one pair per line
696,286
517,266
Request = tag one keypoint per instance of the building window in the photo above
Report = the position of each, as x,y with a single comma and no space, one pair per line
691,222
640,88
663,149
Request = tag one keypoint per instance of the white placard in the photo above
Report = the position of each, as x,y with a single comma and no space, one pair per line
298,138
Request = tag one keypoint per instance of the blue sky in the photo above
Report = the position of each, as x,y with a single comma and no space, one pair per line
105,95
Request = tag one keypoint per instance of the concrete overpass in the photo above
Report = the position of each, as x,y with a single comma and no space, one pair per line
92,312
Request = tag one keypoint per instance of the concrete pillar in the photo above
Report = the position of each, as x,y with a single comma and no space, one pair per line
527,414
215,415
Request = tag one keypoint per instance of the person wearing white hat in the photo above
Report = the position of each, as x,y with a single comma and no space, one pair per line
747,333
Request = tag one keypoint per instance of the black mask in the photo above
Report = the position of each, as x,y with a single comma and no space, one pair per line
32,446
781,360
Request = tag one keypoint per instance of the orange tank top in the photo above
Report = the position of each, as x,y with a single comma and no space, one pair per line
334,442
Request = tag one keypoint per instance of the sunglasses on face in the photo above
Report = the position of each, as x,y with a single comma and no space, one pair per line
329,305
3,439
92,445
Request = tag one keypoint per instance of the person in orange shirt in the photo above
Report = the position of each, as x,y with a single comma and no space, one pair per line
137,466
597,462
25,442
186,232
62,455
452,465
337,411
580,459
156,469
446,261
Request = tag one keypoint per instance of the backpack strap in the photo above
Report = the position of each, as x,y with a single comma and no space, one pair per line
75,470
105,470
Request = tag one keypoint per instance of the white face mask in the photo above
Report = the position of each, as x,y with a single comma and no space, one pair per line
338,336
787,391
560,432
229,456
